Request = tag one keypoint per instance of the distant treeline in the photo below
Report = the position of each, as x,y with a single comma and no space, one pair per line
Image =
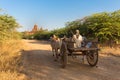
105,26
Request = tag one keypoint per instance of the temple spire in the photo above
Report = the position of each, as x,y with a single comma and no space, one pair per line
35,28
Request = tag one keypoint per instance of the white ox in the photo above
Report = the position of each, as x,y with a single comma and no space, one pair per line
55,45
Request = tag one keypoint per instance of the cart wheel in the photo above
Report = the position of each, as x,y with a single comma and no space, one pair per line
92,58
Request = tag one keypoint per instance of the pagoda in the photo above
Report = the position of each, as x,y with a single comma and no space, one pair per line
34,30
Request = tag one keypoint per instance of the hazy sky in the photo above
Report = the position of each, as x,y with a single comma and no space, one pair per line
52,14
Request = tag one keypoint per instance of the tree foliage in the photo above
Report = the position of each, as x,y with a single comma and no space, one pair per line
8,26
105,26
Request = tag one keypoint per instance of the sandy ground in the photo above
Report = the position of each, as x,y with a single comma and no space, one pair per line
39,64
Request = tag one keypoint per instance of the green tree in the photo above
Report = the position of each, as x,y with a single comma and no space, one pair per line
105,26
8,26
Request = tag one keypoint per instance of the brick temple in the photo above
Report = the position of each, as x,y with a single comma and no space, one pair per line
34,30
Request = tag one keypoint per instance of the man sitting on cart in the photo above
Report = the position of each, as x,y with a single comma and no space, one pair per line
78,39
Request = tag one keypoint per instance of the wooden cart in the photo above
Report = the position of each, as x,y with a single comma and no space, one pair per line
90,50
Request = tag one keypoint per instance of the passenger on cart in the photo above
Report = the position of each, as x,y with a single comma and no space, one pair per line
78,39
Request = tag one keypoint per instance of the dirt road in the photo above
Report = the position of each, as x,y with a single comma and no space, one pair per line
39,64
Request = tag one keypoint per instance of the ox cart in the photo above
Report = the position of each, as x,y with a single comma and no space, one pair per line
89,49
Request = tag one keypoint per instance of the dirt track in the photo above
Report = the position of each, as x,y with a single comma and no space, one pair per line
39,64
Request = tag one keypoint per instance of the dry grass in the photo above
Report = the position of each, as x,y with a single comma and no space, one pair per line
110,51
10,60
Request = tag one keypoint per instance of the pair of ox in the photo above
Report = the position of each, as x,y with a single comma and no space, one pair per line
56,44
